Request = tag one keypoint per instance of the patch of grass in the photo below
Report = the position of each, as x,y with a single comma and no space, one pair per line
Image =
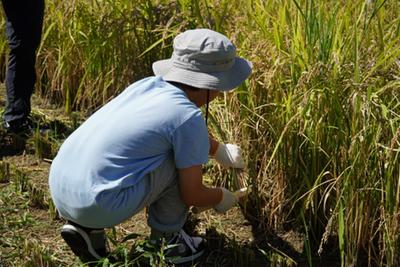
4,172
52,211
20,181
38,198
37,254
43,146
23,231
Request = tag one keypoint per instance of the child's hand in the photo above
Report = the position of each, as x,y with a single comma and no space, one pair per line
229,155
229,199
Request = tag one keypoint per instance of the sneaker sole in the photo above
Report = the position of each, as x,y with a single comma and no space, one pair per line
79,243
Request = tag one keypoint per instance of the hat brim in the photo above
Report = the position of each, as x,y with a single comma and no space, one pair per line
219,81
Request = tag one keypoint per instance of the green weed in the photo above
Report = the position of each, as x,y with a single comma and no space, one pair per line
4,172
20,181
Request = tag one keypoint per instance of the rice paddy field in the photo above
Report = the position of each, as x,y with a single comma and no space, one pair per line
318,121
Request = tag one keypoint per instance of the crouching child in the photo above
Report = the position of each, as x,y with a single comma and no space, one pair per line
146,148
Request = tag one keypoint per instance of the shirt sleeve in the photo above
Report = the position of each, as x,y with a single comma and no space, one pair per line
190,143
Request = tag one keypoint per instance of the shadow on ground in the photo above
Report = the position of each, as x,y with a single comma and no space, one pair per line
291,250
11,144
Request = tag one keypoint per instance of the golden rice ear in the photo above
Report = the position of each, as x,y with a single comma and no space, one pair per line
241,186
239,179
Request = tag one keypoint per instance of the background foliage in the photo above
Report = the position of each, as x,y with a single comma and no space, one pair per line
319,119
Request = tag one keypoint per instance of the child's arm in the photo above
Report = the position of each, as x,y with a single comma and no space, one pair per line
213,146
194,193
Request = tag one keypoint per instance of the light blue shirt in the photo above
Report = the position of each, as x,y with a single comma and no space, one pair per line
126,139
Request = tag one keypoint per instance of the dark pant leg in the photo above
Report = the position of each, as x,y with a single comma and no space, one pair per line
24,22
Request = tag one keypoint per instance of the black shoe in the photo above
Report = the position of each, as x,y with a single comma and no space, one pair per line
22,127
182,248
88,244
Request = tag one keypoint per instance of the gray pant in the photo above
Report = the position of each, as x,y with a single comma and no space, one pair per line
167,212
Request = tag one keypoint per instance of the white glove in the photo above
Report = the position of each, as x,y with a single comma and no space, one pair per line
229,199
229,155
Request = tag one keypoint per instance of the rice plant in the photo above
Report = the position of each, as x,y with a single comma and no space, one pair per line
318,120
89,48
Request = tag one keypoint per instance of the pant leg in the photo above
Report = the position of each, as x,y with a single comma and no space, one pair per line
24,21
159,190
167,212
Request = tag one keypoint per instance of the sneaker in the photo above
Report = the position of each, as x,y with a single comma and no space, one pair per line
86,243
182,248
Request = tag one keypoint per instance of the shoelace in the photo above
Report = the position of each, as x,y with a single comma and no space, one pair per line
188,240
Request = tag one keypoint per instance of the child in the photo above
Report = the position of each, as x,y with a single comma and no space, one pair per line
146,147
